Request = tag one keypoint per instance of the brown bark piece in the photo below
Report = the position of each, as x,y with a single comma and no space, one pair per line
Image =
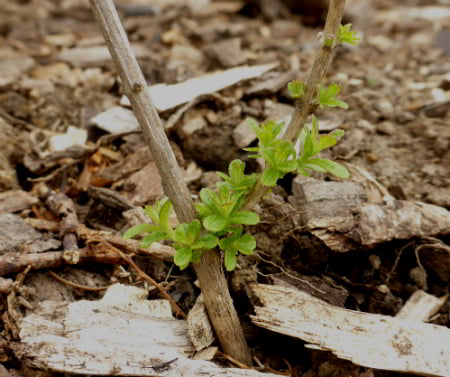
339,215
17,236
94,55
227,52
13,65
14,262
16,200
370,340
146,185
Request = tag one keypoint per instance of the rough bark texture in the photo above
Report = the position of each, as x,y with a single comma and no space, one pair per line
209,272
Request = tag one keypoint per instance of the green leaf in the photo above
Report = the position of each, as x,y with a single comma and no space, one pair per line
139,229
330,167
328,42
246,244
347,36
215,223
337,134
194,228
327,96
208,241
270,176
244,218
202,210
325,142
287,167
186,234
230,260
307,165
152,237
197,255
236,170
297,89
208,198
153,214
164,214
183,256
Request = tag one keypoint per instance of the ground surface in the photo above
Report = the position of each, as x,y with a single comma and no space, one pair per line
396,83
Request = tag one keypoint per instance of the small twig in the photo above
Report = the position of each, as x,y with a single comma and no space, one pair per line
62,206
153,282
75,285
397,259
288,274
306,105
13,262
233,360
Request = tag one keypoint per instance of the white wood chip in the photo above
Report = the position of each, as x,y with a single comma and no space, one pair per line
168,96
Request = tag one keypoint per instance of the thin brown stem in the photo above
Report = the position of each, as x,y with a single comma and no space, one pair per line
306,105
218,301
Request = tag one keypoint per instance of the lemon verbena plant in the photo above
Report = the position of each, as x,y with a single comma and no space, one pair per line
221,218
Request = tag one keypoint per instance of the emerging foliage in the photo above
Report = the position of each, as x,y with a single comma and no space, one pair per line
297,89
221,218
327,96
347,36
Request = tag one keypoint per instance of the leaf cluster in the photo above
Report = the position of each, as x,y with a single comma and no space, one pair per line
221,219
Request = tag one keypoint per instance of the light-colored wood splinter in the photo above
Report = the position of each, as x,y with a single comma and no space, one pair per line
123,334
371,340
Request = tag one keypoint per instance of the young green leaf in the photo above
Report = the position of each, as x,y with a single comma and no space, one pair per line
164,214
327,96
245,244
230,260
347,36
186,234
270,176
215,223
183,256
244,218
329,166
197,255
297,89
208,241
152,237
139,229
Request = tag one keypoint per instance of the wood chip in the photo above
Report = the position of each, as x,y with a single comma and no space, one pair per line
17,236
166,97
116,120
12,65
118,335
243,135
15,201
227,52
199,327
369,340
94,55
421,306
340,216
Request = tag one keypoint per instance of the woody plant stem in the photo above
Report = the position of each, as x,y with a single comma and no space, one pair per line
209,271
307,104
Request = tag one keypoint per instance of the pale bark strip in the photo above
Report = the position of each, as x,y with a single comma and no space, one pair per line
370,340
123,334
209,271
